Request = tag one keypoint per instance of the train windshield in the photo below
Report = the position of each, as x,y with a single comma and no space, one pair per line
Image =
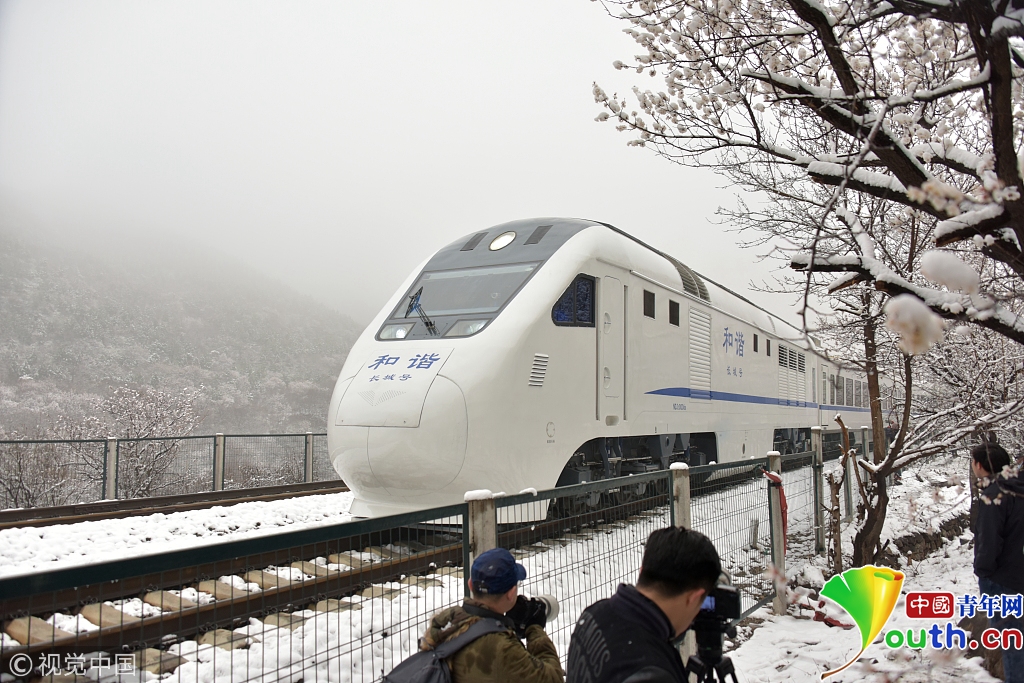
468,291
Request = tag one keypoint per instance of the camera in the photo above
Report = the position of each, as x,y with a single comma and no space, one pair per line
721,605
550,606
714,621
539,610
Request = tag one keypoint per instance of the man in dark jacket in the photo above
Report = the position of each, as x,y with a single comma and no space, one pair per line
999,542
631,637
497,657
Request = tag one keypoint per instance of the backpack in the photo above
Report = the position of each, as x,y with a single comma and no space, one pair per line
430,666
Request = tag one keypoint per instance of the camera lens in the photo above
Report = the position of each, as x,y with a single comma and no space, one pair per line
550,606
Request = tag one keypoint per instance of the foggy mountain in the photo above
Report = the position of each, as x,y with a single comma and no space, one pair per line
76,322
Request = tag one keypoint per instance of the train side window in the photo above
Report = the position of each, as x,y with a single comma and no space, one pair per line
673,312
575,308
832,389
755,342
768,347
648,304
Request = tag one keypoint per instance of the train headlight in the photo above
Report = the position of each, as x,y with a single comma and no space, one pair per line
502,240
464,328
396,331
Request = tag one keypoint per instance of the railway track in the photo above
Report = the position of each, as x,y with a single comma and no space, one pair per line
198,592
368,565
118,509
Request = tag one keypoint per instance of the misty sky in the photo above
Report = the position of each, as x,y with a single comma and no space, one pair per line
335,145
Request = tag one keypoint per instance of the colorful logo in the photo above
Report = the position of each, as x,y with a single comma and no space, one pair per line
869,595
929,605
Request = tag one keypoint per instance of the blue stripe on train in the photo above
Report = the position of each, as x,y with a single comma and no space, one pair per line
686,392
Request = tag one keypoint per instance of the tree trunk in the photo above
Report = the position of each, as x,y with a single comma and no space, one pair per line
866,542
874,389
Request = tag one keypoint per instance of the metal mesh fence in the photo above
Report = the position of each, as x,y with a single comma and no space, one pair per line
323,470
263,460
343,603
580,542
798,486
348,602
50,473
729,505
164,467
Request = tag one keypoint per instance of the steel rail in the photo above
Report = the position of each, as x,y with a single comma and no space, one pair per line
114,509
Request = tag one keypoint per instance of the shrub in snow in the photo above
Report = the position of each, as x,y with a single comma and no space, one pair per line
917,326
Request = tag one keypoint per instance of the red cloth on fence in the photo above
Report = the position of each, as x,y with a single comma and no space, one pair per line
777,479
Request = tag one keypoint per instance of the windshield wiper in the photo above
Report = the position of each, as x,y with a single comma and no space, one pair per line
415,307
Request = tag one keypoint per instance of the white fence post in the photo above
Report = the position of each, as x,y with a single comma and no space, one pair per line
218,462
483,527
817,471
307,475
779,604
681,516
681,495
110,469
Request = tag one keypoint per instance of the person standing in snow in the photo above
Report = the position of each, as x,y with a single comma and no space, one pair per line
497,657
632,637
999,541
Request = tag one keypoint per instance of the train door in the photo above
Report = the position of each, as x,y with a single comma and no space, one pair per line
611,351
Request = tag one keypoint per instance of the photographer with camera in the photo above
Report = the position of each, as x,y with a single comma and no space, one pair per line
633,636
496,618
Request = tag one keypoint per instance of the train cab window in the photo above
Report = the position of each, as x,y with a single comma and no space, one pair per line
673,312
755,342
648,304
465,291
575,308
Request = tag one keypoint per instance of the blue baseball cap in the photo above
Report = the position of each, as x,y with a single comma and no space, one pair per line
496,571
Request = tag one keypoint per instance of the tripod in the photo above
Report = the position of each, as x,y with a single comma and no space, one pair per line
708,664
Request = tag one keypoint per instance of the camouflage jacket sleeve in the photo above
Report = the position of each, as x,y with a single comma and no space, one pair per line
537,663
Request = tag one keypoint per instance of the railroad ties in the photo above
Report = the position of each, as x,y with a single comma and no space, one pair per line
395,569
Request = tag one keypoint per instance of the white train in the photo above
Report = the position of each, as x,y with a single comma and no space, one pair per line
557,351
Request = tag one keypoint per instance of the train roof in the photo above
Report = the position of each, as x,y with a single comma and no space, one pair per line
544,236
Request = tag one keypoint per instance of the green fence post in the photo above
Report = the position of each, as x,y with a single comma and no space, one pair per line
218,462
817,471
308,469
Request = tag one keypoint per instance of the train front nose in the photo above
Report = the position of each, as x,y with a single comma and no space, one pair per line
390,467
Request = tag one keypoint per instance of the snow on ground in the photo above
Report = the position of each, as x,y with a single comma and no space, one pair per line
795,648
32,549
366,636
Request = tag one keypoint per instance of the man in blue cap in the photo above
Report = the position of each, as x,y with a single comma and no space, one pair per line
498,657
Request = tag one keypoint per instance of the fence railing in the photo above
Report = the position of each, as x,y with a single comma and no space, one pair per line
348,602
53,473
